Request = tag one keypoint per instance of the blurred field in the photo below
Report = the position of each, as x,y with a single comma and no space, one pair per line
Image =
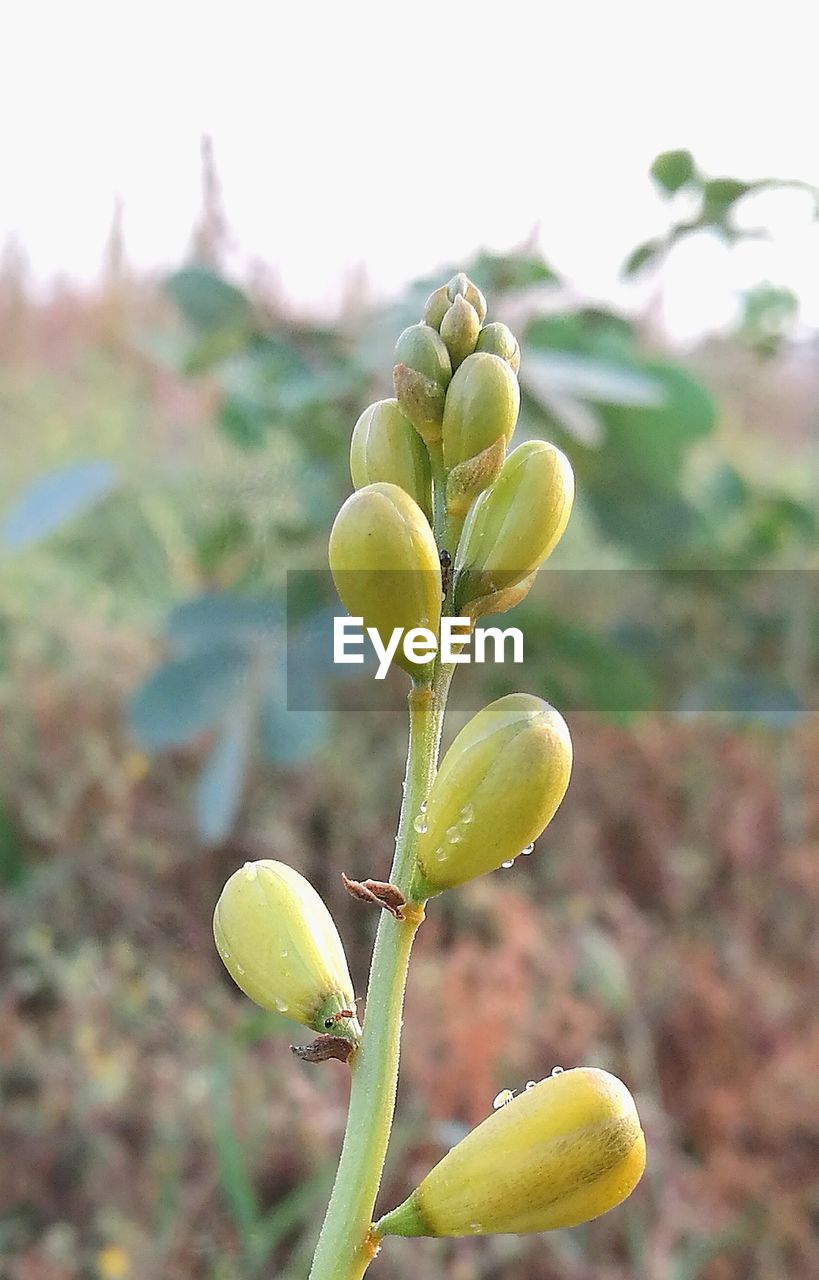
153,1123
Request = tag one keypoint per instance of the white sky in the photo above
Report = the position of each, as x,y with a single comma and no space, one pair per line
401,136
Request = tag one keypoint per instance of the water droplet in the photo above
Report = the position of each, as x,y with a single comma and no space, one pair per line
424,806
281,1005
475,1226
530,1084
441,854
420,823
225,955
285,954
453,835
505,1096
530,848
249,870
507,865
240,970
467,814
557,1071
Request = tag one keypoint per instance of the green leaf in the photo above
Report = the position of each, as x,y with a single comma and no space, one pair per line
221,782
291,737
14,868
673,170
644,255
208,302
55,499
719,194
186,696
222,618
504,273
602,382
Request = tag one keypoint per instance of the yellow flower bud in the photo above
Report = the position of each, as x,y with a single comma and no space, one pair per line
459,329
482,406
513,526
498,786
437,305
279,943
385,565
421,374
563,1152
460,284
386,447
500,341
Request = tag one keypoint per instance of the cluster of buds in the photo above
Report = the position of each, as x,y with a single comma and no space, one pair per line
436,488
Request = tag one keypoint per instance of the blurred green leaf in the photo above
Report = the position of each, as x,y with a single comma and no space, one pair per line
14,868
290,737
222,617
673,170
719,194
186,696
208,302
504,273
587,378
55,499
221,782
644,255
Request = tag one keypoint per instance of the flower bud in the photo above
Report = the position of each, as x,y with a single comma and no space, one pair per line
459,329
386,447
385,565
460,284
498,786
279,943
563,1152
436,307
481,410
497,340
514,526
482,405
421,374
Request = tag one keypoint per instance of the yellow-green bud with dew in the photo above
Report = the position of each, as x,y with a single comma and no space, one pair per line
513,526
386,447
460,284
436,307
563,1152
386,566
498,787
279,943
498,340
421,374
480,414
459,329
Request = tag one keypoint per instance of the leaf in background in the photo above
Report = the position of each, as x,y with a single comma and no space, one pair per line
673,170
745,698
208,302
221,782
502,273
186,696
586,378
219,617
55,499
577,419
290,737
14,868
719,194
644,255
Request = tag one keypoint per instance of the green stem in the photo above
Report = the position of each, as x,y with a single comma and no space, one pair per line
344,1249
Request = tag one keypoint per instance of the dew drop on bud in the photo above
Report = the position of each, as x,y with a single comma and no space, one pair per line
467,814
529,849
423,806
240,970
530,1084
453,835
507,865
420,823
505,1096
281,1005
556,1071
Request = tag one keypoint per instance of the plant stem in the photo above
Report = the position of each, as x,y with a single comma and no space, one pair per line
344,1251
